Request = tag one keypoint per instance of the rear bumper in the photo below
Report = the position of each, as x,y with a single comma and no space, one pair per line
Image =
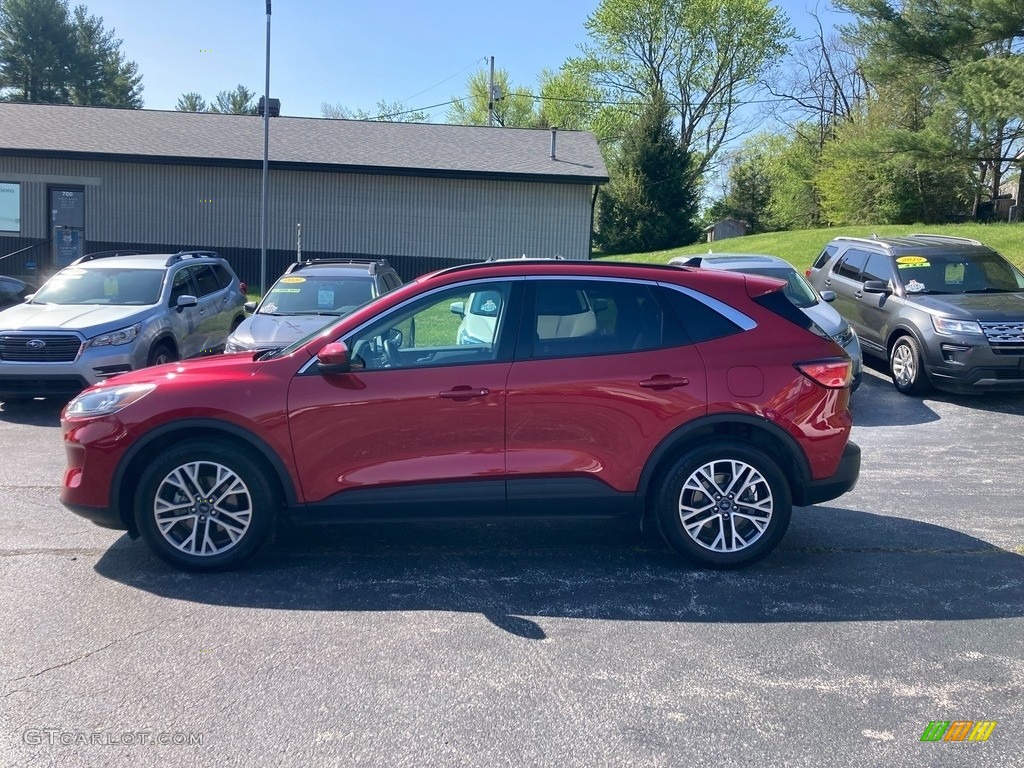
843,480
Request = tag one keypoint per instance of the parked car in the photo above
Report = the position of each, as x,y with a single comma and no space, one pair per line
111,313
13,291
945,312
797,290
310,295
703,398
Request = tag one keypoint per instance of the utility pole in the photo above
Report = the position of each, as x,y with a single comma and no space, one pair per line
266,167
490,96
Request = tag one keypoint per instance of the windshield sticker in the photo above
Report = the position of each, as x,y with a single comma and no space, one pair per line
293,279
904,261
286,290
955,274
269,307
110,286
914,287
325,297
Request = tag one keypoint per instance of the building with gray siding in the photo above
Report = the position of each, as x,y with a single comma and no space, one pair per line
81,179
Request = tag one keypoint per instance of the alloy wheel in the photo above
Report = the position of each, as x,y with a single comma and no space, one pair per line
725,505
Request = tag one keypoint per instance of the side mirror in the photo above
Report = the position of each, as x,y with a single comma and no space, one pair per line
876,286
828,296
249,307
334,358
458,308
186,301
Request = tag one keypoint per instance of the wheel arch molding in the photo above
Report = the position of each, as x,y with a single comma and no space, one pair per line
125,482
760,433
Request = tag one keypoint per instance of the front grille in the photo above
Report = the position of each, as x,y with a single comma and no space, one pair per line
1005,338
39,348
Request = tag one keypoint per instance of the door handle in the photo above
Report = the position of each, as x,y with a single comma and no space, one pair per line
663,381
859,294
464,393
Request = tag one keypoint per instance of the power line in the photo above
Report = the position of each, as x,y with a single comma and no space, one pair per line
472,64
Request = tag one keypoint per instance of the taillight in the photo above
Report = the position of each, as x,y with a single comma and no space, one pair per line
245,289
832,374
807,273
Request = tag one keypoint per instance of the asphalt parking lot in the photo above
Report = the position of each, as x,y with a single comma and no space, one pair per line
895,605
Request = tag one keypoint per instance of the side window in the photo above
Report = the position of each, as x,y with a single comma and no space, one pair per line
463,324
182,286
596,317
824,256
206,279
878,267
851,264
223,276
9,293
701,322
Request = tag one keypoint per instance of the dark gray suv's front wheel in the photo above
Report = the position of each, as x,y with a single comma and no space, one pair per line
907,366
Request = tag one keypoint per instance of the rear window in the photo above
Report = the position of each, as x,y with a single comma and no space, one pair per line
824,256
777,303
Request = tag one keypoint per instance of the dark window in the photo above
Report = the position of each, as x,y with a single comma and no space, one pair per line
11,292
583,317
879,267
700,321
182,286
851,264
824,256
206,279
223,275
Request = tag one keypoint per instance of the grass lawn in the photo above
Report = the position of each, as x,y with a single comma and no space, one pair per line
799,247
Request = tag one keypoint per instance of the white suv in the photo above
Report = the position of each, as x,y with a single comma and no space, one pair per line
109,313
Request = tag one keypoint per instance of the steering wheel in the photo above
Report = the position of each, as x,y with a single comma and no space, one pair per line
391,358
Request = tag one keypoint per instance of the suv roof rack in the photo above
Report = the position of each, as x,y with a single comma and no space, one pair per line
874,240
954,238
107,255
192,254
373,264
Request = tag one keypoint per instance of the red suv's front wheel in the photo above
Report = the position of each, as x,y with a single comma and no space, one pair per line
204,506
724,505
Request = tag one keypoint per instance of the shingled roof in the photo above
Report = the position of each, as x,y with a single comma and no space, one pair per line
300,143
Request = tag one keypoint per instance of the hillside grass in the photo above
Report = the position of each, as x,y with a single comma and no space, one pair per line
800,247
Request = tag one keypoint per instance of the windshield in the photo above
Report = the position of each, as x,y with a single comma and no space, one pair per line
797,290
321,295
102,285
974,272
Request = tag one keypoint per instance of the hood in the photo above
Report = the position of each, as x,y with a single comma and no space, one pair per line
88,319
986,307
825,317
279,330
216,367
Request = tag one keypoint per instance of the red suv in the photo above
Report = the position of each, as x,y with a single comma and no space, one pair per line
702,399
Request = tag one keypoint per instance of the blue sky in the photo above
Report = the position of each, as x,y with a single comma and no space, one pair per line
349,51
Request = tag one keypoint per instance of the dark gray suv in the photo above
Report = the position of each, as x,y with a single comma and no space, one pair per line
943,311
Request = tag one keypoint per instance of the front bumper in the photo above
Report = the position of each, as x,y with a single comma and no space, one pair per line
92,366
841,481
964,366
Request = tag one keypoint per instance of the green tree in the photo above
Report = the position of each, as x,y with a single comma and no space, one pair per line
238,101
191,102
514,106
749,190
650,203
967,55
394,112
705,56
48,55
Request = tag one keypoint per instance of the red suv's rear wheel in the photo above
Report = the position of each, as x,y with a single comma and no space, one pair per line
724,505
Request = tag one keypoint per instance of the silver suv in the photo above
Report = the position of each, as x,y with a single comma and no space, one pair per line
109,313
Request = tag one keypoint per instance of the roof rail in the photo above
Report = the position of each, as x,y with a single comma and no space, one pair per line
192,254
969,240
106,255
373,264
874,240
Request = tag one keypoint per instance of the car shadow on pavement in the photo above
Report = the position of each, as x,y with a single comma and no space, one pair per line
39,413
834,565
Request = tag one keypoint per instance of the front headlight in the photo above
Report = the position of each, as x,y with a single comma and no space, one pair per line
944,325
845,336
237,345
114,338
107,400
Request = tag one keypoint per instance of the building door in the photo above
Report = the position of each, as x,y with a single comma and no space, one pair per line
67,225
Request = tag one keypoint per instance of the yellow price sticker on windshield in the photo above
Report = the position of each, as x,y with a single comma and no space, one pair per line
912,261
293,279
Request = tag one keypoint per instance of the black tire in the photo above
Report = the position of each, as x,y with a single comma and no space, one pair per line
907,367
161,353
249,513
698,541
